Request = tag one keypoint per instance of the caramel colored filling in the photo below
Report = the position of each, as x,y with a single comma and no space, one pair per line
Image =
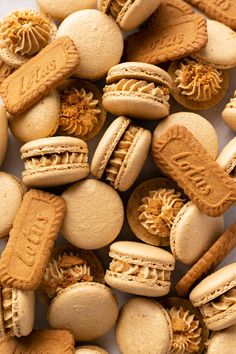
116,6
7,311
220,304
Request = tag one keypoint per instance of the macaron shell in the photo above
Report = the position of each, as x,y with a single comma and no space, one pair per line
95,35
87,310
229,117
90,349
223,320
214,285
134,13
143,326
226,158
107,145
193,233
3,133
23,312
222,342
196,124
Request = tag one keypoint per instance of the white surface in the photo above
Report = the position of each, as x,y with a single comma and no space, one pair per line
14,165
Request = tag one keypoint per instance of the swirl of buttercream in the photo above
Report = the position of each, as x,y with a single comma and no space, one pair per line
159,209
25,32
186,331
196,81
220,304
79,111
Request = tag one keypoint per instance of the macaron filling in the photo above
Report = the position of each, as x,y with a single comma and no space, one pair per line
158,210
142,88
7,311
197,81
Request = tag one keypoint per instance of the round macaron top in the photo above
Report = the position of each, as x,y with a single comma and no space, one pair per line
222,342
220,50
142,253
143,326
214,285
90,349
196,124
53,145
142,71
227,157
87,310
3,133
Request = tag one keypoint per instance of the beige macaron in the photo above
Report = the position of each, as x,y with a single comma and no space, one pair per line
227,158
60,9
143,327
220,50
229,113
94,216
196,124
215,296
137,90
222,342
54,161
98,40
11,195
121,153
87,310
129,14
90,349
140,269
16,312
3,133
39,121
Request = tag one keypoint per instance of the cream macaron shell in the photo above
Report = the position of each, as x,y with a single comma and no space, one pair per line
137,90
121,153
54,161
216,298
40,121
229,113
196,124
98,40
140,269
129,14
3,133
11,196
222,342
193,233
143,327
95,214
88,310
227,158
17,312
220,50
90,349
60,9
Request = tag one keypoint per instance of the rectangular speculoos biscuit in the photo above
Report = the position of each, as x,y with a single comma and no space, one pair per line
31,240
39,75
182,157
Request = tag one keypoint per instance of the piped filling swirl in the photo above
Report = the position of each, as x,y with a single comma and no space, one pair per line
7,310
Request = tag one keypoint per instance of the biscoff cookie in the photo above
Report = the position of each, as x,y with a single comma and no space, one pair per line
82,114
31,240
221,10
23,33
5,70
3,133
39,75
181,156
196,85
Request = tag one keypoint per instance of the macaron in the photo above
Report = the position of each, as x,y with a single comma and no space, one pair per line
11,195
3,133
87,310
220,50
215,297
139,269
95,35
229,113
27,126
143,327
59,9
196,124
90,349
121,153
227,158
128,14
54,161
97,220
222,342
16,312
137,90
